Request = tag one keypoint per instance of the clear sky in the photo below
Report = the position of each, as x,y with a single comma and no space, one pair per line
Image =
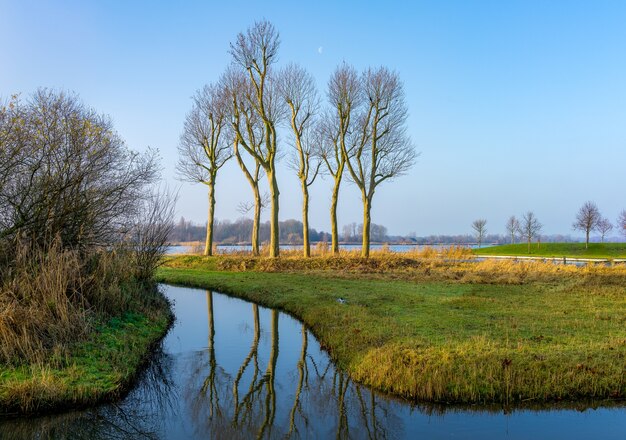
514,106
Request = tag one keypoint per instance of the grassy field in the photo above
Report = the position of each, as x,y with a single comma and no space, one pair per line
436,331
98,369
559,250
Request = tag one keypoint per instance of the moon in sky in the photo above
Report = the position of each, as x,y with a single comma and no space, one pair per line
320,49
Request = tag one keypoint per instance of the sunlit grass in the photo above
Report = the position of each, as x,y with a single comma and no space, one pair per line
101,367
436,330
558,250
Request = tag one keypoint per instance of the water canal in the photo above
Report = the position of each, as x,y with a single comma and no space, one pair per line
231,369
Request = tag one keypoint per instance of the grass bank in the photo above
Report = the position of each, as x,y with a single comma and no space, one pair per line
100,368
558,250
437,331
75,328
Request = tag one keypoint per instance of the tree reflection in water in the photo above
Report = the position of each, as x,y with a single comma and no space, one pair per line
214,380
138,416
309,398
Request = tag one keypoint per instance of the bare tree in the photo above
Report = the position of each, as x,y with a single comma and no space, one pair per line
604,227
204,147
587,220
248,131
380,149
256,51
479,227
512,227
621,222
297,88
344,96
530,227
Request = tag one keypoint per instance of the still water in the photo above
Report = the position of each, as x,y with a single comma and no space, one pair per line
231,369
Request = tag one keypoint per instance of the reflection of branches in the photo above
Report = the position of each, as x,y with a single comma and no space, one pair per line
252,355
209,382
269,378
303,374
342,424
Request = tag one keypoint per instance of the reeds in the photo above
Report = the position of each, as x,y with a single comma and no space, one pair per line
52,298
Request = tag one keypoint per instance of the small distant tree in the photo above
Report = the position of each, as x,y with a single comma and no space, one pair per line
204,147
530,227
512,227
604,227
587,220
479,227
621,222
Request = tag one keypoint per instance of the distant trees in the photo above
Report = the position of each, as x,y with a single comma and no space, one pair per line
479,227
379,148
621,222
587,220
204,147
530,227
512,227
604,227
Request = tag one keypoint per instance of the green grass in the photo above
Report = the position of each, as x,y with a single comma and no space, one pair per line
449,341
100,368
559,250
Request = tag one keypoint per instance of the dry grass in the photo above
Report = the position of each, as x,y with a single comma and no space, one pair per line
431,328
48,300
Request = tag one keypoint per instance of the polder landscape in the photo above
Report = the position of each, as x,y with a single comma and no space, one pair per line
119,318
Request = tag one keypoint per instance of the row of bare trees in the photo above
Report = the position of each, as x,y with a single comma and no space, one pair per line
361,129
588,219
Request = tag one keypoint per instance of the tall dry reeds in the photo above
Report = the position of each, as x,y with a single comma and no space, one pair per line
51,298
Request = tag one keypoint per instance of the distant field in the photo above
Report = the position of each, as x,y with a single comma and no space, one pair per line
572,250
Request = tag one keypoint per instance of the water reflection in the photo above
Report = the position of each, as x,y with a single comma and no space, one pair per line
231,369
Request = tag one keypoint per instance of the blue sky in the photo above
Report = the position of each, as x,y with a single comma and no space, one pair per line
514,106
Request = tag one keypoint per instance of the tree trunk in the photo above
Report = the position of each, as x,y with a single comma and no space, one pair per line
365,249
587,239
208,246
257,221
529,245
333,218
274,232
306,245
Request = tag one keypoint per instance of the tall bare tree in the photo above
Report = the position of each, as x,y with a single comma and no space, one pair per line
256,51
297,88
512,227
380,149
204,147
604,227
344,96
587,220
621,222
479,227
248,131
530,227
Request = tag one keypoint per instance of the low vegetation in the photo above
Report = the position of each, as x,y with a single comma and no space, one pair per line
81,234
559,250
432,329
